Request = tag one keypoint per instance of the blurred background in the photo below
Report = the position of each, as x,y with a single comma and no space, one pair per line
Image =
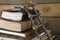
49,10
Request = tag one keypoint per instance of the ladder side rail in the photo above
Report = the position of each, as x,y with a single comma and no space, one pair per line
33,25
40,20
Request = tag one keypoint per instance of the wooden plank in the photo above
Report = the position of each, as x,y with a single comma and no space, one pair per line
49,9
27,1
54,25
44,9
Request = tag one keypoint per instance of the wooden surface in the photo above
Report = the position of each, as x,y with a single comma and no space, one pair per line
27,1
49,9
54,25
44,9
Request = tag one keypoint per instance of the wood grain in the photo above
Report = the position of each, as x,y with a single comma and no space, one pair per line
27,1
44,9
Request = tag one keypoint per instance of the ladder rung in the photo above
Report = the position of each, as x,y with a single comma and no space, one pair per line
53,37
39,26
34,15
36,27
44,33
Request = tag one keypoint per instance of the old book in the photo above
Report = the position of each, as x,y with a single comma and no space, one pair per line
16,16
18,26
26,33
6,38
15,26
21,34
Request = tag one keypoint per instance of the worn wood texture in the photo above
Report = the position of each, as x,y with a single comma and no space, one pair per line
27,1
49,9
54,25
44,9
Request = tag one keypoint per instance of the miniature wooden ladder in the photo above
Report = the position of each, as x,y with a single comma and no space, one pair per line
40,20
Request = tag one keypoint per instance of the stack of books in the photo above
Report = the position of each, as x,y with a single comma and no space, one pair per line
14,20
17,23
29,34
